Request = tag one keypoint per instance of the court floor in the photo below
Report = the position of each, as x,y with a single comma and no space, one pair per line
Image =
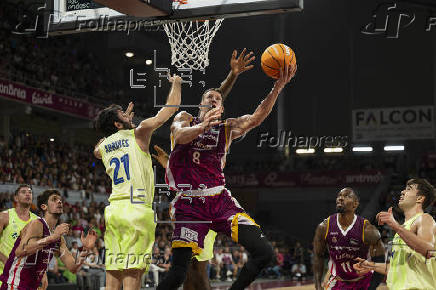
261,284
269,284
276,285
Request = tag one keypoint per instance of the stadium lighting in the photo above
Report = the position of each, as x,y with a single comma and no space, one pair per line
394,148
333,150
305,151
51,139
129,54
362,149
148,62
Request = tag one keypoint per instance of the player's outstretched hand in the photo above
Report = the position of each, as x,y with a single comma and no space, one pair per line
363,266
387,218
88,242
174,79
161,157
242,62
62,229
286,75
212,118
129,112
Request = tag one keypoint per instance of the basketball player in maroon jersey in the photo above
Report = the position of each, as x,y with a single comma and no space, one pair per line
38,242
197,278
195,170
12,221
347,237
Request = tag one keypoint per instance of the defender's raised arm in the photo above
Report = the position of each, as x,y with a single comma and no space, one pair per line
237,66
172,105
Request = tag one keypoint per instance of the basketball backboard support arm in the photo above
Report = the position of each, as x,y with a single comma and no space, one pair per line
237,8
69,16
138,8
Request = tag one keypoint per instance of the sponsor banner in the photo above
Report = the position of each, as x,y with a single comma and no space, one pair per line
305,179
38,97
390,124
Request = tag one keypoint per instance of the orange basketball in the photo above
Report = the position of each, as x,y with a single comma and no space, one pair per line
275,57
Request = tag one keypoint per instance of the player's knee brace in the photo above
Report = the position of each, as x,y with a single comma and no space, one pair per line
181,260
265,254
257,245
177,273
261,254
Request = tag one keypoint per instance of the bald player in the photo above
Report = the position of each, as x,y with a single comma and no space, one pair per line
346,236
412,265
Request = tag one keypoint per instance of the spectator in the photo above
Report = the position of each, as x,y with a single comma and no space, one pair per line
77,232
159,265
244,256
278,264
227,265
54,276
94,270
74,249
298,271
65,272
218,259
298,252
237,263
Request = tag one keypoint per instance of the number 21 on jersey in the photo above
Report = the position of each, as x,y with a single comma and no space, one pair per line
125,161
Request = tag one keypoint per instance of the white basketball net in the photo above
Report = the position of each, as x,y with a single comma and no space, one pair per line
190,42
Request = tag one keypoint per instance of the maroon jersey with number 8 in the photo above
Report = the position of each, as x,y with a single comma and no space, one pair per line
198,164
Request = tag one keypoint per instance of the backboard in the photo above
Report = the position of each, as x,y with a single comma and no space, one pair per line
70,16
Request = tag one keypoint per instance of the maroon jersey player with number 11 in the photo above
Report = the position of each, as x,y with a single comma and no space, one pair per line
347,236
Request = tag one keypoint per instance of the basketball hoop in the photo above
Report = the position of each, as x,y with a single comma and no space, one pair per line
190,42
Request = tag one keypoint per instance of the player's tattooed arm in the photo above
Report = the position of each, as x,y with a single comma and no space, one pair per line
244,124
4,221
372,238
184,134
237,66
319,249
421,236
161,157
32,240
